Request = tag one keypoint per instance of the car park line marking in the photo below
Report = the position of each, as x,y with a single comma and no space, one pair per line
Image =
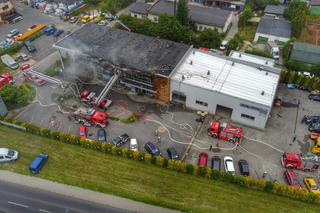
42,210
18,204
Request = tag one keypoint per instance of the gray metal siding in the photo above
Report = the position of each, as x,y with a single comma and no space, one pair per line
213,99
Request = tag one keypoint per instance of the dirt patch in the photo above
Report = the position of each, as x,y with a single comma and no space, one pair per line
311,33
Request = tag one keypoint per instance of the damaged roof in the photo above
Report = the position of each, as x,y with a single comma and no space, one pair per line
125,50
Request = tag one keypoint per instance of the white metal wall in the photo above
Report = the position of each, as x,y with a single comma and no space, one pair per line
213,99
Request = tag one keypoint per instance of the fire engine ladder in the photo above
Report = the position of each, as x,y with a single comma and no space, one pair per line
46,77
107,88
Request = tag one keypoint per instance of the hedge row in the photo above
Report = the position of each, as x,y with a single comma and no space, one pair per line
300,79
178,166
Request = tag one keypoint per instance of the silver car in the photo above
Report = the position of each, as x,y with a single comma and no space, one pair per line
7,155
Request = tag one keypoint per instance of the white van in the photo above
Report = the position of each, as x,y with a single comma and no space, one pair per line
133,144
9,61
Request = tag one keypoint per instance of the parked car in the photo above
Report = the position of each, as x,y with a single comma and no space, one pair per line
118,141
223,45
173,154
311,119
37,163
23,57
203,159
101,135
311,185
152,149
73,19
25,67
244,167
7,155
133,144
50,31
16,19
314,127
291,178
103,23
12,33
30,47
314,97
83,131
292,86
216,163
57,33
228,165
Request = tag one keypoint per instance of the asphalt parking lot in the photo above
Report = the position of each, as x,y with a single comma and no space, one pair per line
263,148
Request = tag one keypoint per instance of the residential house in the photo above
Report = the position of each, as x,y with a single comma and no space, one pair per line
274,10
204,17
6,9
273,29
304,52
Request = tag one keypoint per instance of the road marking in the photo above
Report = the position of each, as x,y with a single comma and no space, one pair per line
42,210
32,118
18,204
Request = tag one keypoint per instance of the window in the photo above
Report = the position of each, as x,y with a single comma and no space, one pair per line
261,111
135,15
199,28
5,7
202,103
155,19
247,116
178,96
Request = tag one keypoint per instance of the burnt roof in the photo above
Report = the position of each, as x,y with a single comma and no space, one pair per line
125,50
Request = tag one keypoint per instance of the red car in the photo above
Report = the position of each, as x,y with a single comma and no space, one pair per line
25,67
83,131
203,159
291,178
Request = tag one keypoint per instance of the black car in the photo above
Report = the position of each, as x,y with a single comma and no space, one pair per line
314,97
216,163
57,33
118,141
30,47
152,149
173,154
311,119
314,127
102,135
244,167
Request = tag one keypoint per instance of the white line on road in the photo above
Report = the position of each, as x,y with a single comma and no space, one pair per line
42,210
18,204
32,118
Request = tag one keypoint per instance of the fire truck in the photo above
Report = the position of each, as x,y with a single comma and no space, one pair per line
5,78
309,163
90,116
91,99
225,131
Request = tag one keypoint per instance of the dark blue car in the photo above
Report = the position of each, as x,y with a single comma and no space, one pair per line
50,30
37,163
57,33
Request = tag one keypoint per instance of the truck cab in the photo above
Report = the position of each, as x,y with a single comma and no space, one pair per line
225,131
298,161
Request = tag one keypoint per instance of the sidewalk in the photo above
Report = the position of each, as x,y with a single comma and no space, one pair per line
84,194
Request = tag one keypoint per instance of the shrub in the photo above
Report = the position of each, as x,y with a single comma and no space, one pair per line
159,161
269,186
215,175
147,158
189,168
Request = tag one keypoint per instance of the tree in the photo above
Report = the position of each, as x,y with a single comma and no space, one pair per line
169,27
297,12
209,38
245,16
234,43
182,12
16,96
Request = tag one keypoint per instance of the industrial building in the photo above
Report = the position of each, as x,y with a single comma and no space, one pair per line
241,84
211,82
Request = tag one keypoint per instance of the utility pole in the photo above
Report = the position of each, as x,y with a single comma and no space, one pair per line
175,8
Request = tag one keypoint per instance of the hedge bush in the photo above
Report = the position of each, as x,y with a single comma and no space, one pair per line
289,76
178,166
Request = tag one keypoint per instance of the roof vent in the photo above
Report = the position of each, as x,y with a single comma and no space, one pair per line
266,62
232,63
182,77
191,62
267,73
260,68
194,52
262,93
208,73
240,55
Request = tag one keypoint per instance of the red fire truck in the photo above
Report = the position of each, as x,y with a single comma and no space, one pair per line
225,131
90,116
302,162
90,98
5,78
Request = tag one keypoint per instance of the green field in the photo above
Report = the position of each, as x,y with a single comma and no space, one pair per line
248,32
93,170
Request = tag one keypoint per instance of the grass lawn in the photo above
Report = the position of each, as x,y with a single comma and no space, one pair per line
93,170
248,32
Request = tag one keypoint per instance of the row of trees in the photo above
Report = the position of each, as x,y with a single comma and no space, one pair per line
178,166
169,27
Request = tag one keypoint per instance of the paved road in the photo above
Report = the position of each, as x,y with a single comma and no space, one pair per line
18,198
